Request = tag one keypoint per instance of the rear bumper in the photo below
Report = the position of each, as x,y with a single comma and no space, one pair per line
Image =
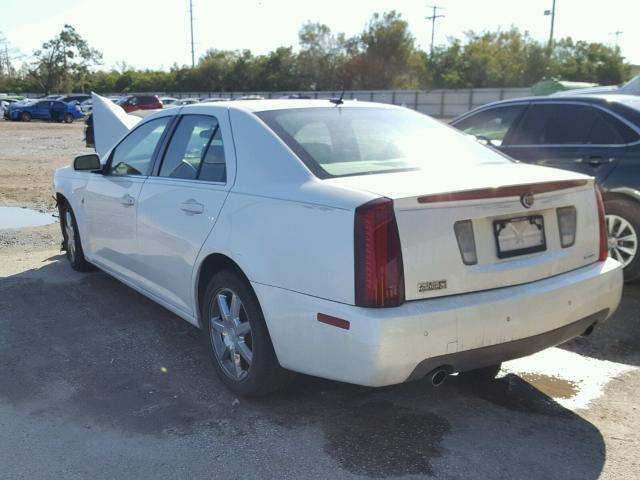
502,352
462,332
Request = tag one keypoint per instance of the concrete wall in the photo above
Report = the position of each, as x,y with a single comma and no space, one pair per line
438,103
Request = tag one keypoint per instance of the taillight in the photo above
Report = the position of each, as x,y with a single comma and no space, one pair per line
379,275
604,237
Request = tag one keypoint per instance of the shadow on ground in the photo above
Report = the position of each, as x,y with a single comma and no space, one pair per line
91,351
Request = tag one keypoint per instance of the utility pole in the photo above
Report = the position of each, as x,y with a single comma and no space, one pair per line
193,55
551,12
8,63
433,19
617,33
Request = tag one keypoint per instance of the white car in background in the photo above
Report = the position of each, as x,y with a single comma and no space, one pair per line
354,241
168,101
185,101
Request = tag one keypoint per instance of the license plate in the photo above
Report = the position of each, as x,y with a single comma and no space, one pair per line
519,236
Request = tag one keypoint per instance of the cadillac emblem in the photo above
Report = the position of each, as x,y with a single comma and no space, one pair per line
527,200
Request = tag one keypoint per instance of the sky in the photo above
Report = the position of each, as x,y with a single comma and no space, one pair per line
155,34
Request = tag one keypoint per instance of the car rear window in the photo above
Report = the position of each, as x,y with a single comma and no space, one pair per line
341,141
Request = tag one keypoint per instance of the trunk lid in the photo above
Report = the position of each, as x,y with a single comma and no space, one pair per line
428,204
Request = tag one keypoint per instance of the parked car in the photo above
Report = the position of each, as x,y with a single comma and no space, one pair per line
297,96
44,110
186,101
5,101
214,99
86,106
360,242
132,103
595,135
168,101
77,98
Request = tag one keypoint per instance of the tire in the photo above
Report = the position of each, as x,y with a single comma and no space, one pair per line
71,241
485,374
68,118
25,116
623,225
240,345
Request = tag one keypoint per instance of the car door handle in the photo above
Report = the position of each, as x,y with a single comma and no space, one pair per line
192,207
127,200
594,160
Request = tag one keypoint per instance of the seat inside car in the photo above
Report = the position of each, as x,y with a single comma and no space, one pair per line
213,167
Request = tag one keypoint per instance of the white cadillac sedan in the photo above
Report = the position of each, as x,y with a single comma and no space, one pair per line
354,241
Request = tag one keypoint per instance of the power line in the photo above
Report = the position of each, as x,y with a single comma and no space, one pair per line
433,19
193,55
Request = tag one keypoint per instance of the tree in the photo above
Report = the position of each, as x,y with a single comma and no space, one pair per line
589,62
63,62
323,57
513,59
388,54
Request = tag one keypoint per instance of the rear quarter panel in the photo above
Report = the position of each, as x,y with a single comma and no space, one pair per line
280,224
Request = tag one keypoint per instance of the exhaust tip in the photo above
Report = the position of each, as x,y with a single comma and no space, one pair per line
438,377
588,331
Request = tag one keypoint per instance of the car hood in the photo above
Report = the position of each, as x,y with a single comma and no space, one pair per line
110,123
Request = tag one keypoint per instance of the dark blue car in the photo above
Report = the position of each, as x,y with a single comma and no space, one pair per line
44,110
594,134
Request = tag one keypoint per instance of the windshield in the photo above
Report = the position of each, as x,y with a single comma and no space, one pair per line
341,141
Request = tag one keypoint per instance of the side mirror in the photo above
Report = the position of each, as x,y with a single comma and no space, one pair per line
87,162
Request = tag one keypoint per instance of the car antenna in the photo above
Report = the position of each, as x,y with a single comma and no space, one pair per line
338,101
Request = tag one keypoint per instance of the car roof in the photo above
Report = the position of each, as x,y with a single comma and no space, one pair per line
582,98
256,106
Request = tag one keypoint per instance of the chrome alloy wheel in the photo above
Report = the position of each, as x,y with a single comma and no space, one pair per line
70,234
623,239
230,334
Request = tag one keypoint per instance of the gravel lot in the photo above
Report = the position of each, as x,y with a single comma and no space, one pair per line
98,382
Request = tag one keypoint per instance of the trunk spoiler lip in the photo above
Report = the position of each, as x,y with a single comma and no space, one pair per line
502,192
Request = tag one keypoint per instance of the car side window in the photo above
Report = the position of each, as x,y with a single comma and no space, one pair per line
492,124
608,130
133,155
195,151
555,124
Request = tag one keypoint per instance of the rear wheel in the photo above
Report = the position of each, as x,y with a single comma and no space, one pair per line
484,374
623,225
72,244
238,339
68,118
25,117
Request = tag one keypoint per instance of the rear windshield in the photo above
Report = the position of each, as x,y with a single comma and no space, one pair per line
341,141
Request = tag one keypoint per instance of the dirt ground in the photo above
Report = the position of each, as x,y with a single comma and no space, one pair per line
29,154
97,381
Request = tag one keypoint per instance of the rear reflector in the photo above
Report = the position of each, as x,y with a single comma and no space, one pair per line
378,269
604,237
500,192
336,322
466,241
567,220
